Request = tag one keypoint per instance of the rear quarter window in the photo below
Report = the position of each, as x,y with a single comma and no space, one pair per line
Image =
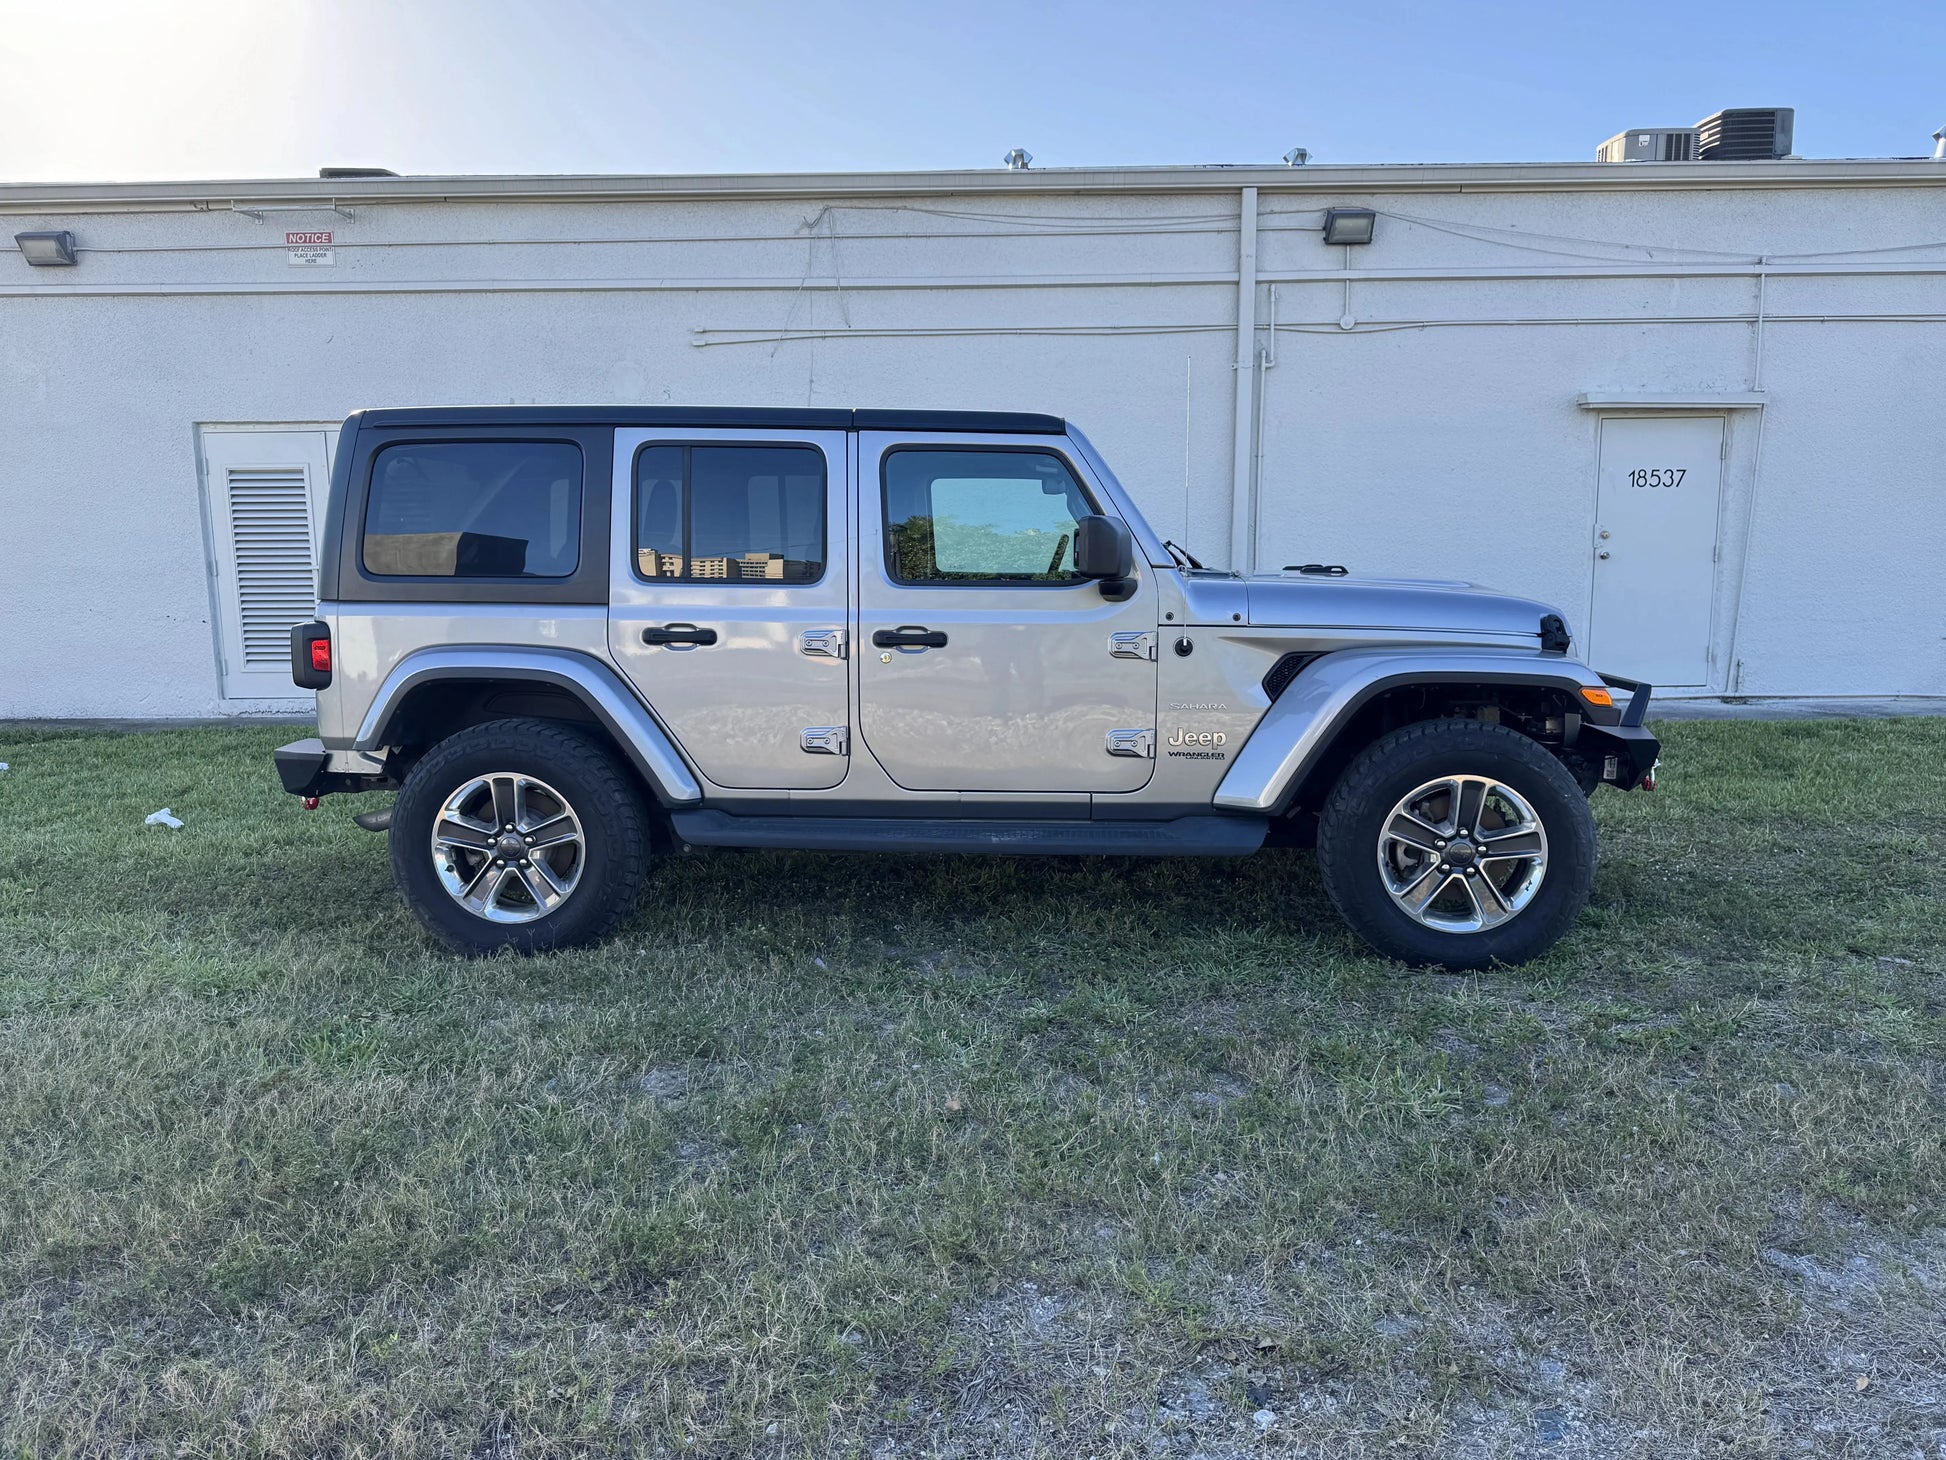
474,509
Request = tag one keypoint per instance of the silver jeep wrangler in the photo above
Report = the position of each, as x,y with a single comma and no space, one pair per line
574,639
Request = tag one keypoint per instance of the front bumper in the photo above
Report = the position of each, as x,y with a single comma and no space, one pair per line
1628,753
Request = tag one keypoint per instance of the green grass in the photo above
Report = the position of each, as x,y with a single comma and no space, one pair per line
883,1156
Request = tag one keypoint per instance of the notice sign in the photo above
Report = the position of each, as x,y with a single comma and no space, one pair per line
309,250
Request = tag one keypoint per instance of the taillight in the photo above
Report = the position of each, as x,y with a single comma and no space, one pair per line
311,655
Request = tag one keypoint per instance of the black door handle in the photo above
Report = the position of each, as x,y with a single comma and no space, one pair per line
678,634
908,636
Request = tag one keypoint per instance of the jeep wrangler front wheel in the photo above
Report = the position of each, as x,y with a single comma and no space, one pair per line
1458,844
522,834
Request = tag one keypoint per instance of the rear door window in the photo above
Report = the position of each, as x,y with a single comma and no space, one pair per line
730,513
474,509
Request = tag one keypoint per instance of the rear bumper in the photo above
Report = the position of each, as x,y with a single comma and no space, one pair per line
306,768
301,766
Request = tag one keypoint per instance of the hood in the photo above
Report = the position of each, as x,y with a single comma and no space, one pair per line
1351,602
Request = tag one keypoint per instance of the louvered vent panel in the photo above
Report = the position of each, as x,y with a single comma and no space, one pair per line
270,534
1746,134
1284,671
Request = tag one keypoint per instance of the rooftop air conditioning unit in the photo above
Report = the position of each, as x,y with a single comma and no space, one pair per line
1650,144
1749,134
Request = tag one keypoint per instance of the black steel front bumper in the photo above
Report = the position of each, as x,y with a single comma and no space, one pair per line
1633,749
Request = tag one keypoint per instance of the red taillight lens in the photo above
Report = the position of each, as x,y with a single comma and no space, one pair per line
321,655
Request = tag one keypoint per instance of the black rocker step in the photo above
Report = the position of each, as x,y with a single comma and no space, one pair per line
1187,836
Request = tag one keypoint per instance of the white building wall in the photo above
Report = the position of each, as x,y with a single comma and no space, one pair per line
1439,434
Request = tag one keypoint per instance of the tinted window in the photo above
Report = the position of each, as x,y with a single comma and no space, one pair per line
981,516
474,509
735,514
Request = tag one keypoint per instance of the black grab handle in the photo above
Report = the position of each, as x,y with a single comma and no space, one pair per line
679,634
909,636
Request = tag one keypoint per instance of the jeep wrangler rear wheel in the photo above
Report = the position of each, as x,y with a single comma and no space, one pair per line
522,834
1458,844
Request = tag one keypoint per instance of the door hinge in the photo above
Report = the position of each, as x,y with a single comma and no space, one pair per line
1132,644
1139,744
824,643
826,740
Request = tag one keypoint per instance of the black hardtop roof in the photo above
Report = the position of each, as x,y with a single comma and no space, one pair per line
754,417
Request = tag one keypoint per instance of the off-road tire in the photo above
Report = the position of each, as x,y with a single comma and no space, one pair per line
1355,813
604,798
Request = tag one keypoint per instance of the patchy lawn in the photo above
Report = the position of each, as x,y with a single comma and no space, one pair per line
887,1156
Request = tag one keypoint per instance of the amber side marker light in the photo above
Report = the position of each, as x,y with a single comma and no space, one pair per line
1596,696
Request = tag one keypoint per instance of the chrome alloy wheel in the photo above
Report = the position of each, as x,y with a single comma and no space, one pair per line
508,848
1462,854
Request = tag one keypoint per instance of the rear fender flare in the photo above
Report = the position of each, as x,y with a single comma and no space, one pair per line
628,721
1301,726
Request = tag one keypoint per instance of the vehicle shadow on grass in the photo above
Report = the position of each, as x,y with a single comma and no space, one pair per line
1267,914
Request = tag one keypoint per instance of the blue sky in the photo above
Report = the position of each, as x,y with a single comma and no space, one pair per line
248,88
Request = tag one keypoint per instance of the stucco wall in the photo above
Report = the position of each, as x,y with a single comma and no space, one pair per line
1439,435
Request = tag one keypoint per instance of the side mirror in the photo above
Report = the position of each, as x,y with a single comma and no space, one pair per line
1103,549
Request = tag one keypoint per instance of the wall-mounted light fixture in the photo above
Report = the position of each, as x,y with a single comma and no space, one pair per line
1349,225
47,250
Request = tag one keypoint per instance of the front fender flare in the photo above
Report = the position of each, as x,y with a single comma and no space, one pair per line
1300,726
608,699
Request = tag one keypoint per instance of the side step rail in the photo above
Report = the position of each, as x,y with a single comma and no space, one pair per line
1187,836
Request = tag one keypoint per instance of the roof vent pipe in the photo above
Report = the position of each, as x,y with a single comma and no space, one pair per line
1939,145
1019,160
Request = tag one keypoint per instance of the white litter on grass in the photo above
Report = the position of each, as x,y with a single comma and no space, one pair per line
3,765
162,818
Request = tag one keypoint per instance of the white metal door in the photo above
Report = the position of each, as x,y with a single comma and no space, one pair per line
266,492
1655,547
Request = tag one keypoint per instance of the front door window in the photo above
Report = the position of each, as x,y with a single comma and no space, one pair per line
981,516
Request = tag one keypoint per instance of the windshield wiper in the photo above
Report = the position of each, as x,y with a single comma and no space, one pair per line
1183,556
